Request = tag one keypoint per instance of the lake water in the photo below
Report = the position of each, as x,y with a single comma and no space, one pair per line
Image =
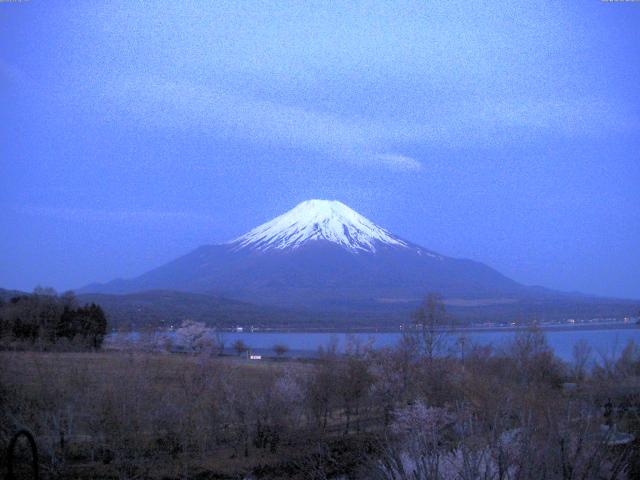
609,342
604,342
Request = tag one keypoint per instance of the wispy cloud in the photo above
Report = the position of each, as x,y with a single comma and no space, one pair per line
86,215
161,104
364,141
399,162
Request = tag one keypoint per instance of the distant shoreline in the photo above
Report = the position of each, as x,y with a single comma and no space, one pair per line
471,329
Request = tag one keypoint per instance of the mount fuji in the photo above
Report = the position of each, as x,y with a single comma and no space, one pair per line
322,254
319,220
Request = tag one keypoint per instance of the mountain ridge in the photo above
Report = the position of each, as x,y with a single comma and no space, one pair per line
319,253
323,256
164,308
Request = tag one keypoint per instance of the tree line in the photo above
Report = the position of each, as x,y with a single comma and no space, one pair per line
48,320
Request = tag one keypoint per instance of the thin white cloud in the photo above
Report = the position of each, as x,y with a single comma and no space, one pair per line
366,142
399,162
160,104
85,215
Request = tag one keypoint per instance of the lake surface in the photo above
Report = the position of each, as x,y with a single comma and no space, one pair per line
605,342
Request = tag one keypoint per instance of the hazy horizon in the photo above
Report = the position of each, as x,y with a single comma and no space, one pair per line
508,134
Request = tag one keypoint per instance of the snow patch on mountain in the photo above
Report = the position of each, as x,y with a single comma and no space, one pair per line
310,220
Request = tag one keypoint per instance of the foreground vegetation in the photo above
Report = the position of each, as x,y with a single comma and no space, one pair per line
45,320
399,414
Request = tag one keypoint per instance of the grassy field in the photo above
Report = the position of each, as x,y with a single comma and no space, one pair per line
359,415
126,415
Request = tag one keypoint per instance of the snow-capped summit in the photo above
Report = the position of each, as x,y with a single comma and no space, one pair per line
311,220
321,254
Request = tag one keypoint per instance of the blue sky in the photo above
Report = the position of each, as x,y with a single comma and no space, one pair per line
506,132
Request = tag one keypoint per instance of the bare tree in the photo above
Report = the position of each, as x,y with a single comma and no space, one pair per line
419,453
533,358
320,385
581,358
430,323
354,380
220,341
629,362
280,349
240,347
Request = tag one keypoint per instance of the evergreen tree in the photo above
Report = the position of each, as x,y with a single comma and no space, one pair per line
65,327
48,317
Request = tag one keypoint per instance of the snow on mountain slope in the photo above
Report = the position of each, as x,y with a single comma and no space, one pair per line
320,254
324,257
310,220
